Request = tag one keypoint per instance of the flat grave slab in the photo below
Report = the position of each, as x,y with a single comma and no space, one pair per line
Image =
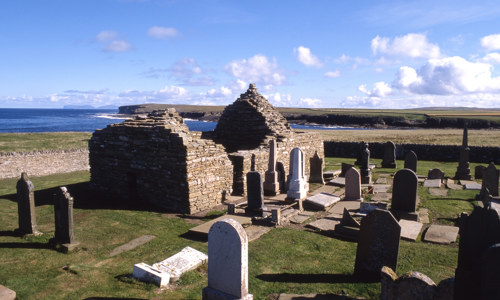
382,197
131,245
205,227
410,229
381,188
322,200
339,181
338,209
438,192
6,293
472,186
452,185
331,174
280,197
441,234
432,183
381,180
186,260
255,232
423,215
324,224
299,219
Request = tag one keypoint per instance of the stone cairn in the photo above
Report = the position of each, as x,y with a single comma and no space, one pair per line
26,206
463,170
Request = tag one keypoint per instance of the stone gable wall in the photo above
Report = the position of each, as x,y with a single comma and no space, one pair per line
42,163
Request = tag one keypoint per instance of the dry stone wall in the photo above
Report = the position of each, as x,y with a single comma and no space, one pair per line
42,163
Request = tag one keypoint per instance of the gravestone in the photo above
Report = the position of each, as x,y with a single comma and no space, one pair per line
271,183
281,176
26,205
63,212
409,286
352,185
359,158
366,176
297,186
479,171
316,165
404,191
490,273
435,174
490,179
411,161
389,160
227,262
378,245
478,232
255,194
344,168
463,170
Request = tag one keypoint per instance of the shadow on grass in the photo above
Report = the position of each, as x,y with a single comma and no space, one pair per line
12,233
108,298
311,278
27,245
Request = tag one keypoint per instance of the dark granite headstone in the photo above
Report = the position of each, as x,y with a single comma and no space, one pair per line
271,182
389,160
365,171
479,171
404,191
478,232
435,174
63,211
26,205
344,168
490,273
359,158
255,194
316,165
378,245
411,161
463,170
281,176
490,179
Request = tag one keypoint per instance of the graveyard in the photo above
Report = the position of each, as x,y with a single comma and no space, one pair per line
266,212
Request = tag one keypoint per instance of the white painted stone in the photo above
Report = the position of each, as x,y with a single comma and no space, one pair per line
228,262
186,260
147,273
322,200
298,186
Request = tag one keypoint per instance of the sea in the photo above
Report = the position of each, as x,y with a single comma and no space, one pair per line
28,120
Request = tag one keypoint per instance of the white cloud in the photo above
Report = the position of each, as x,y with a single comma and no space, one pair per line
447,76
278,99
162,32
491,42
185,72
332,74
414,45
309,102
258,69
380,90
112,43
305,56
343,59
492,58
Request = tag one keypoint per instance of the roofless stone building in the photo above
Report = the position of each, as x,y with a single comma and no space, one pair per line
157,160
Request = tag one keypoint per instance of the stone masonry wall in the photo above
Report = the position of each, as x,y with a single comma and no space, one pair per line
42,163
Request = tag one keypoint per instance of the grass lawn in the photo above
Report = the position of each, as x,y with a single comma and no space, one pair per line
284,260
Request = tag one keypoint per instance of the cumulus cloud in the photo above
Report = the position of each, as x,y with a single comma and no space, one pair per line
414,45
309,102
258,69
491,42
447,76
158,32
305,56
492,58
380,90
332,74
111,42
185,72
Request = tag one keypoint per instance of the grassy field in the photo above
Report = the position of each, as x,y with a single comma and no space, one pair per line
23,142
284,260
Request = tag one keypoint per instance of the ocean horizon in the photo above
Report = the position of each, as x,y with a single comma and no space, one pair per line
30,120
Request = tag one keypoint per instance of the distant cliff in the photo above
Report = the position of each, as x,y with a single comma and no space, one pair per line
363,118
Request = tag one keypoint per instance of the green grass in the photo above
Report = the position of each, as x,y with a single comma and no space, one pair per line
25,142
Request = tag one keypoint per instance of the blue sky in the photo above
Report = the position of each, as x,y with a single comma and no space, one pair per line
333,54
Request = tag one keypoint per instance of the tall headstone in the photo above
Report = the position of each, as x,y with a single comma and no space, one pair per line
352,185
316,165
435,174
344,168
297,183
490,179
26,205
255,194
411,161
359,158
281,176
389,160
378,245
463,170
404,192
479,171
227,262
63,212
478,232
490,273
271,183
366,176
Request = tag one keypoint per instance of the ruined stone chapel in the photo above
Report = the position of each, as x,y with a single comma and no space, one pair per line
156,160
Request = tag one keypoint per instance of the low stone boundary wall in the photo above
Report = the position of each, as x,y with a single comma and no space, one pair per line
448,153
41,163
